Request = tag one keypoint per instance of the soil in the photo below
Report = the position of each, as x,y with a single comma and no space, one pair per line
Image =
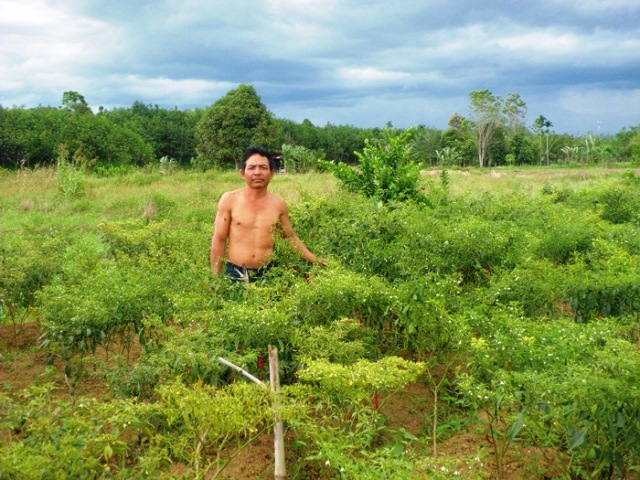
23,363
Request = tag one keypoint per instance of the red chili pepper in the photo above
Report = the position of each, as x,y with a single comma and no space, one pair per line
488,439
261,363
189,371
376,401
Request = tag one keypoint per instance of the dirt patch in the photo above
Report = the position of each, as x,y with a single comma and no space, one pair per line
255,461
409,409
21,361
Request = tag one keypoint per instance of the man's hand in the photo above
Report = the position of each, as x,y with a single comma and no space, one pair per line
320,261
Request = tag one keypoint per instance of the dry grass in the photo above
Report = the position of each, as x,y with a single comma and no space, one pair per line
529,181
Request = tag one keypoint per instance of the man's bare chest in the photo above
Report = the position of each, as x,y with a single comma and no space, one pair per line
254,216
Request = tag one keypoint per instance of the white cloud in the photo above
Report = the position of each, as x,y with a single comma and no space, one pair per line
306,8
547,42
370,75
183,91
46,49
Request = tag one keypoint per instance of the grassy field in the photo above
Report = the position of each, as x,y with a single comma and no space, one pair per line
493,333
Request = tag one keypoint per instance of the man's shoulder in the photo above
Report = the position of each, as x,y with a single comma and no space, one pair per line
277,200
230,195
228,199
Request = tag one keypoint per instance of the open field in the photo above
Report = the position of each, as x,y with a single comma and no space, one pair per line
493,333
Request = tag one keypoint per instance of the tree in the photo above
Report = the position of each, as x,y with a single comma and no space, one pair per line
426,144
458,137
486,114
515,111
541,126
234,123
74,102
171,133
95,139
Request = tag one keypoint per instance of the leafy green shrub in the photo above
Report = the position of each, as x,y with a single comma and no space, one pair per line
54,438
557,195
110,287
473,247
562,239
246,327
386,172
27,264
358,382
605,298
624,236
367,238
174,353
536,285
425,320
605,283
78,318
252,327
345,440
343,341
590,409
202,421
618,205
519,345
334,294
578,384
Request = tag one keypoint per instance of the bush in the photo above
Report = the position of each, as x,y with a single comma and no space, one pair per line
386,172
564,238
334,294
618,205
29,262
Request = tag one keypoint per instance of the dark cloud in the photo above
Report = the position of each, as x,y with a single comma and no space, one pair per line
340,61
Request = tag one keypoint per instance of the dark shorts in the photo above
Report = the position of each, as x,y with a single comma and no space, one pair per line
243,274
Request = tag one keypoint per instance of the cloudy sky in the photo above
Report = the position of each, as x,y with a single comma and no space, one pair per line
356,62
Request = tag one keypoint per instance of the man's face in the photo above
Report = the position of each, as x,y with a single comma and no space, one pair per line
257,173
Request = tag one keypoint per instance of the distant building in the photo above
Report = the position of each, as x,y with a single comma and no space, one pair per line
279,159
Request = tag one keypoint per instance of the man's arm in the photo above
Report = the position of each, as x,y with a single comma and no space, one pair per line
298,244
221,228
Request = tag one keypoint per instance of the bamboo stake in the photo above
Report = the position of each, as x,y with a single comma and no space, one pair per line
241,370
278,428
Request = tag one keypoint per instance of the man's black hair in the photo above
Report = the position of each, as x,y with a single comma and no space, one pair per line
256,149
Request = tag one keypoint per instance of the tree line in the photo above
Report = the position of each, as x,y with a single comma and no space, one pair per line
493,133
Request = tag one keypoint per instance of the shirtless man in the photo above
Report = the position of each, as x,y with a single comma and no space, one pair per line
247,219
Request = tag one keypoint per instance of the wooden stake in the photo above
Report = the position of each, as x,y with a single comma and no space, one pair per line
241,370
278,427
